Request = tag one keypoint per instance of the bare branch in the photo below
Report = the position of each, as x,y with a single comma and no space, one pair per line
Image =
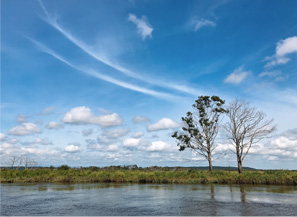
246,127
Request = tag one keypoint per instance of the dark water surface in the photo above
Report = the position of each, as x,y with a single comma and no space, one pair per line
147,199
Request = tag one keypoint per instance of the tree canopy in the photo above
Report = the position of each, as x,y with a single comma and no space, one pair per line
201,127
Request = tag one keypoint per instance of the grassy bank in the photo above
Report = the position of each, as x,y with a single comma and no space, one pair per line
119,175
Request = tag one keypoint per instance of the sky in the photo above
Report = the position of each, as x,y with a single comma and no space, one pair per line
99,83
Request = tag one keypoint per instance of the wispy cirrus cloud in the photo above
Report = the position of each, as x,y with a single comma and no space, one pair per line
48,110
98,75
102,57
237,76
197,24
269,74
275,75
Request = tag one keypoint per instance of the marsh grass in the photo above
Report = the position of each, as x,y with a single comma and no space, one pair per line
148,175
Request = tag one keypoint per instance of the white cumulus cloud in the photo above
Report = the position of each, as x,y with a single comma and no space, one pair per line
137,135
282,50
72,148
53,125
272,158
285,143
14,141
144,29
2,137
140,119
283,146
5,145
36,151
116,133
163,124
93,145
24,129
161,146
42,141
131,142
113,148
21,118
83,115
237,76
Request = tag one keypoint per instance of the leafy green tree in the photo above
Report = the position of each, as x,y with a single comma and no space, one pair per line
201,127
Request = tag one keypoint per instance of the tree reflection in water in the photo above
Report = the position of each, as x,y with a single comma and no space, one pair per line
242,194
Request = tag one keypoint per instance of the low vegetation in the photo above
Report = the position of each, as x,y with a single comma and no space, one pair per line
134,174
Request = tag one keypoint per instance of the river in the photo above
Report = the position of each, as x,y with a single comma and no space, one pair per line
147,199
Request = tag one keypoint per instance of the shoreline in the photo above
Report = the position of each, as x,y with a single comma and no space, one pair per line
145,176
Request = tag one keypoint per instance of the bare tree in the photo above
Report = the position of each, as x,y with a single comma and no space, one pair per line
28,162
201,127
13,160
246,126
21,160
17,162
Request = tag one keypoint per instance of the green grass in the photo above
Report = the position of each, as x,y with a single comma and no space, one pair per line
147,175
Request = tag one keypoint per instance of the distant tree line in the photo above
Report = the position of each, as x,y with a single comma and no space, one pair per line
245,127
127,168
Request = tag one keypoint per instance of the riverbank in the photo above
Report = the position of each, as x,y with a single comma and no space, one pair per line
174,176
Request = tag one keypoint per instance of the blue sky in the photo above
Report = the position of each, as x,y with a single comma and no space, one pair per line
107,82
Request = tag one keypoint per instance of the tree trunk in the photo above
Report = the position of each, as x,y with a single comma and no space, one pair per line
239,166
239,161
209,162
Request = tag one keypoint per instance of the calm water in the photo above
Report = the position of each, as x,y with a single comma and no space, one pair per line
147,199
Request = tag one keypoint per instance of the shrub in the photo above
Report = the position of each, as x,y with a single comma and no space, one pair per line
64,167
93,168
